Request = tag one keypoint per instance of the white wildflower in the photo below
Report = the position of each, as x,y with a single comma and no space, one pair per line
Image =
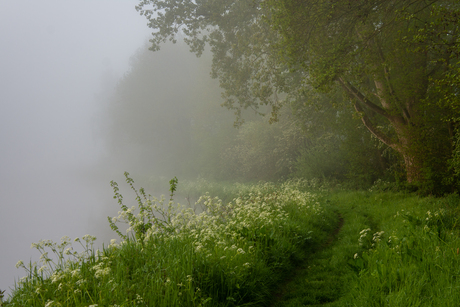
89,238
75,273
139,299
19,264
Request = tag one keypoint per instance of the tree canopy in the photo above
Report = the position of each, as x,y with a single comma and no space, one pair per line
244,56
373,51
396,62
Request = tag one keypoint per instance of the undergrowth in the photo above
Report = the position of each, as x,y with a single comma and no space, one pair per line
394,249
271,245
231,254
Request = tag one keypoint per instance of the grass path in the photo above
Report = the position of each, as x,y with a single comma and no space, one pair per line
316,281
345,248
325,276
408,254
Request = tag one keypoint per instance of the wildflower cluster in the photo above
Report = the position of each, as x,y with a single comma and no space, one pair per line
363,236
366,241
236,236
417,230
227,255
59,270
256,215
62,256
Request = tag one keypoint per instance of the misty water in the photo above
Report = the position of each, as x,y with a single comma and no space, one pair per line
59,60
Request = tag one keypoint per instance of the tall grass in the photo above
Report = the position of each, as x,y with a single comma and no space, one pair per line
412,257
231,254
394,249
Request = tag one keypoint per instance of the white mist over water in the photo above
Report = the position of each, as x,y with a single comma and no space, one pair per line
57,60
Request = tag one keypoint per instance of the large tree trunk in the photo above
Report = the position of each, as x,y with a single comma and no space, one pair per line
406,146
413,169
405,140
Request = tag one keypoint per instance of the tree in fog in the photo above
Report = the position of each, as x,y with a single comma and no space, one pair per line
165,115
385,56
155,110
371,50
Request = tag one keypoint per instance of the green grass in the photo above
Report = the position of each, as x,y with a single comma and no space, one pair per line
393,249
232,254
272,245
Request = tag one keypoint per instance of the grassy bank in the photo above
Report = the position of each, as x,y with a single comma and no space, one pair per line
232,254
290,244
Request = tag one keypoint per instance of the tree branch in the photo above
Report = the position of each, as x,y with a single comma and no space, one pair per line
354,93
379,134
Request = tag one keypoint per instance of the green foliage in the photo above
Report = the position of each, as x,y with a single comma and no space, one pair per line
393,249
394,60
173,186
1,296
231,254
146,218
417,254
386,56
272,244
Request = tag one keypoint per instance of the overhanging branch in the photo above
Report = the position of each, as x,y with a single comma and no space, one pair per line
378,133
354,93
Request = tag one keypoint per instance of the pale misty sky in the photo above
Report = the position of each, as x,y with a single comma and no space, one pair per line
56,57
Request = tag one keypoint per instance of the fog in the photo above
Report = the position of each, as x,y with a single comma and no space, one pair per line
58,62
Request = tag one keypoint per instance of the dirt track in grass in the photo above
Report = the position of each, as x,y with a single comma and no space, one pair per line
310,283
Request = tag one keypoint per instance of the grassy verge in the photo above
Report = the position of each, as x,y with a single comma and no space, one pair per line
392,250
272,245
231,254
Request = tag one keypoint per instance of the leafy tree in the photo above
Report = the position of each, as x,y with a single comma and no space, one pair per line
263,151
156,113
244,56
368,49
338,146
